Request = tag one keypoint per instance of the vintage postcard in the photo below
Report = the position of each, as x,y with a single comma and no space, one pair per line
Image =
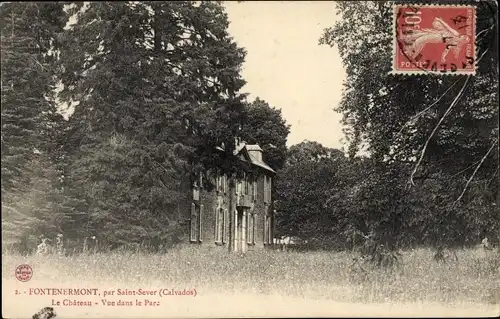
245,159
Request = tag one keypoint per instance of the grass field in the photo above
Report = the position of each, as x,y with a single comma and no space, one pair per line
471,281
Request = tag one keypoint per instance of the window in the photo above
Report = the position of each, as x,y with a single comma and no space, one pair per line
266,199
254,223
224,183
267,189
197,185
196,193
224,232
219,225
254,194
240,187
268,226
196,220
218,182
251,228
267,235
246,187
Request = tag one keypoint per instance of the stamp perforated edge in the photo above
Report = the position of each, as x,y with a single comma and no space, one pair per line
429,72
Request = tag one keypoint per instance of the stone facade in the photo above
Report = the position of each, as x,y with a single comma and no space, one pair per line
236,214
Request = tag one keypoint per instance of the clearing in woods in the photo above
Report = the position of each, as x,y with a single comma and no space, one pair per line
264,284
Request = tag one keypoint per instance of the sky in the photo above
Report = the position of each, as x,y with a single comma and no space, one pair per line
286,66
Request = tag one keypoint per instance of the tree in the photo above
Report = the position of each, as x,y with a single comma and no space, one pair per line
28,29
40,211
444,128
157,85
396,114
381,108
310,151
302,190
265,126
32,196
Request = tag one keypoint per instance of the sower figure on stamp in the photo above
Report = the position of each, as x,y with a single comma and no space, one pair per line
442,33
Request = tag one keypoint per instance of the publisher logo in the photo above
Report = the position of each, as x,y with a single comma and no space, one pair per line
24,272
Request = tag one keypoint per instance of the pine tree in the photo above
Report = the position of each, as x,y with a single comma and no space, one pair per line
29,119
157,88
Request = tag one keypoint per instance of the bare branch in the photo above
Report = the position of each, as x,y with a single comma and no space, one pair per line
475,171
478,35
465,169
427,108
492,177
416,116
482,55
37,62
455,101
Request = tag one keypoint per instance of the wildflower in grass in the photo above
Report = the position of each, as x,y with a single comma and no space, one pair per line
43,248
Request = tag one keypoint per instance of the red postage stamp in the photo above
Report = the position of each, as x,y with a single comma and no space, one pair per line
434,39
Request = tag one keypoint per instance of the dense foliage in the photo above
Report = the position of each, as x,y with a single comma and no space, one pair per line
154,88
34,200
432,176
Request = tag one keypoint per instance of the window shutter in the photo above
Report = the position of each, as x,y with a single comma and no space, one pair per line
199,223
217,182
254,216
216,229
270,223
265,189
254,195
219,224
270,189
249,227
265,229
224,222
194,218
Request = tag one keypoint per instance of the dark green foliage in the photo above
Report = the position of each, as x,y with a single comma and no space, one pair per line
432,177
302,190
26,86
265,126
154,87
34,201
157,87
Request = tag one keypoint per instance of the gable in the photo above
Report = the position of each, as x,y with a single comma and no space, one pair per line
242,152
245,155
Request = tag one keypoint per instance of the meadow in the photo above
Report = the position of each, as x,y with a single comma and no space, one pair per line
471,281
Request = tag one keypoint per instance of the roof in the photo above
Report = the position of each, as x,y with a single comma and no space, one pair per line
251,158
255,160
254,147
